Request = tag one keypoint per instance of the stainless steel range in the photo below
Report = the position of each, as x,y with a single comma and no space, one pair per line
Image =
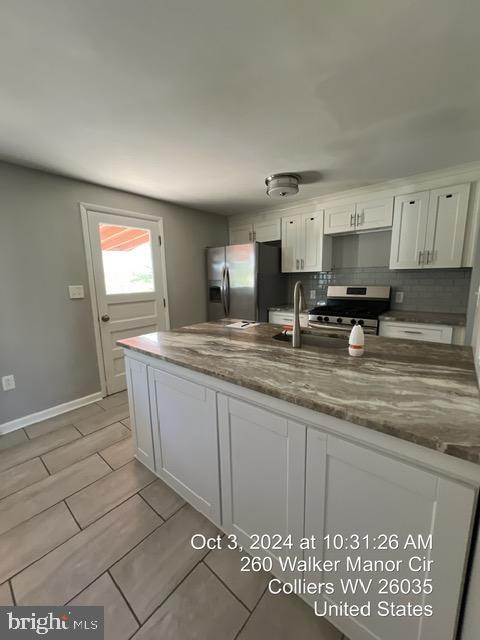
347,306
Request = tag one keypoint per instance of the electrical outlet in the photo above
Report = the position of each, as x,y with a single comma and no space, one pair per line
76,291
399,297
313,294
8,382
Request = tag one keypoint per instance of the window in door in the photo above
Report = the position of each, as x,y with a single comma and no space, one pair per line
127,259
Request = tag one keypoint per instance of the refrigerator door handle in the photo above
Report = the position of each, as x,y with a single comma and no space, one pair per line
227,291
223,291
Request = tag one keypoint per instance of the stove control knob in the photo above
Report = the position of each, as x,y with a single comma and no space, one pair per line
352,321
360,322
319,318
326,319
339,320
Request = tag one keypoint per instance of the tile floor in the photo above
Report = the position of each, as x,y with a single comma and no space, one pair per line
82,522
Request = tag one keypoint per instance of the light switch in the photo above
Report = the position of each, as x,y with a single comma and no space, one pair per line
8,383
313,294
399,297
76,291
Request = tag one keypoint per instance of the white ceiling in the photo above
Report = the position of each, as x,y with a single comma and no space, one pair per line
196,101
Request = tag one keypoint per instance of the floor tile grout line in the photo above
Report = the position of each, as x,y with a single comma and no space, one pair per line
152,507
175,588
136,493
225,584
27,485
124,598
71,513
99,454
63,499
65,444
114,563
251,614
154,510
14,575
9,583
26,433
41,454
43,462
78,440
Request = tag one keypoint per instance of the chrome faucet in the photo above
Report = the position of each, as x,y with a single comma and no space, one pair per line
298,306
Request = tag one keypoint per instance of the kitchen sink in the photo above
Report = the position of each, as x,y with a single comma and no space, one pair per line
330,341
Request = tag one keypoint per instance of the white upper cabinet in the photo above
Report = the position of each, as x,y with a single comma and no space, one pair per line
241,234
290,252
447,217
266,231
374,214
360,216
409,230
304,245
429,228
340,219
261,231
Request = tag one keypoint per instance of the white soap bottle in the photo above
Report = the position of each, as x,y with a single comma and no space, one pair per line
356,341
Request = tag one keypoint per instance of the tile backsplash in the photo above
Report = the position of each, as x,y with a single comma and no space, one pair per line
441,290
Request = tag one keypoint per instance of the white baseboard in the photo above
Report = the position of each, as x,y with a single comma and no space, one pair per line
6,427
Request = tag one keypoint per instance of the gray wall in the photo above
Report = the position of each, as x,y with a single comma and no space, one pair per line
47,340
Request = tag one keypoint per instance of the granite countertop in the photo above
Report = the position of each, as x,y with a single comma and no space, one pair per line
422,392
426,317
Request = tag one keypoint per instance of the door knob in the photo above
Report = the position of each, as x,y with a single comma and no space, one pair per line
105,317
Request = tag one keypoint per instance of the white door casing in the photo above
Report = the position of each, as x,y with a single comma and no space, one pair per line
124,314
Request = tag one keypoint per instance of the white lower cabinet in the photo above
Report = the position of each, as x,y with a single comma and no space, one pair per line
416,331
139,404
277,476
184,421
354,491
262,458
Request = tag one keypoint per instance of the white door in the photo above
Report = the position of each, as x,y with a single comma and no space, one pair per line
129,285
402,500
447,216
374,214
262,458
315,249
340,219
184,418
266,231
241,234
290,240
409,231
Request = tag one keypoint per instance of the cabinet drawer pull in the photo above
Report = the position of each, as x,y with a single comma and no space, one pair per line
420,333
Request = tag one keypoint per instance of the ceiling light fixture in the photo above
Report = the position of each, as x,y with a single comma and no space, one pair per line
282,185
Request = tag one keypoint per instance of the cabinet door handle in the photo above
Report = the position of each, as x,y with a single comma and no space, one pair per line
297,262
254,236
352,219
420,257
302,263
359,220
249,236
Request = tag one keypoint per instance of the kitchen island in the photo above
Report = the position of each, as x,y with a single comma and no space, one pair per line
265,439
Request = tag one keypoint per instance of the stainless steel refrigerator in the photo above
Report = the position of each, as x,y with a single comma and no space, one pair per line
244,280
